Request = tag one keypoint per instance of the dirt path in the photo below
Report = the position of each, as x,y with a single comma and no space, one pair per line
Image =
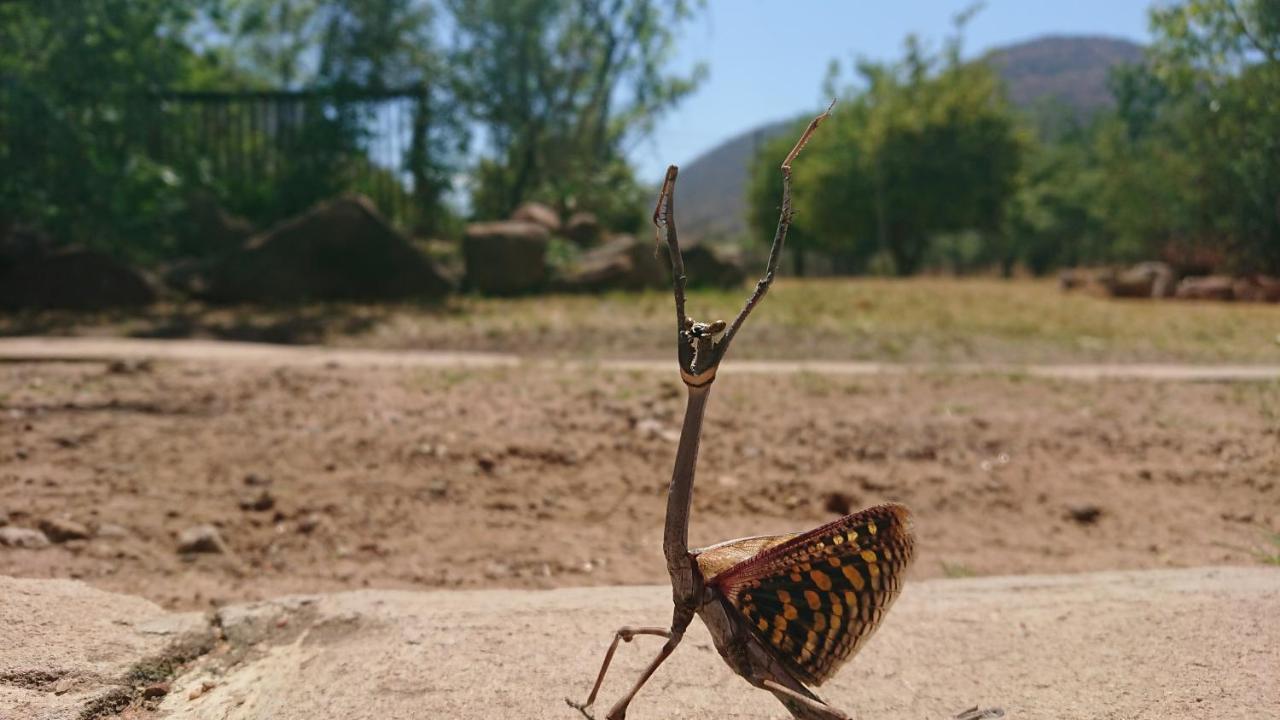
324,476
1181,644
107,349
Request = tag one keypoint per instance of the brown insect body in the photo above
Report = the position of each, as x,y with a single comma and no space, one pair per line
784,610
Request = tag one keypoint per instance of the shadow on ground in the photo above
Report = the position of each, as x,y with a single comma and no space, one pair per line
283,325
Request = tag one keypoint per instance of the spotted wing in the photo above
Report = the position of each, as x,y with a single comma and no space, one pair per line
815,598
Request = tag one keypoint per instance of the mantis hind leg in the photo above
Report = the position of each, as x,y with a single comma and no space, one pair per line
802,704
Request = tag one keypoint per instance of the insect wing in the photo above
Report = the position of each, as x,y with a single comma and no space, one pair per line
816,598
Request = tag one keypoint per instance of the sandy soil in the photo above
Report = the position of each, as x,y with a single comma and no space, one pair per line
1170,644
326,478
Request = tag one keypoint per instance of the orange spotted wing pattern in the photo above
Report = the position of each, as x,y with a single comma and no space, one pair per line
815,598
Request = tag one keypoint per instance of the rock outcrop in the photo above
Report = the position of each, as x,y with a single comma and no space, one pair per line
625,263
539,214
1209,287
1144,280
68,651
583,229
73,279
505,258
342,249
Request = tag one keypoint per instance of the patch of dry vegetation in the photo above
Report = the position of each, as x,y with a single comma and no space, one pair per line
918,320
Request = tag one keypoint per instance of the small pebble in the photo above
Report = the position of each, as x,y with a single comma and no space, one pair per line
61,530
19,537
201,539
1084,513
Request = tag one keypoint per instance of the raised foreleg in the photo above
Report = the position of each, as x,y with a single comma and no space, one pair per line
625,634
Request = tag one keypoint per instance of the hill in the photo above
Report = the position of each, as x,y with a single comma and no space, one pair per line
713,187
1058,71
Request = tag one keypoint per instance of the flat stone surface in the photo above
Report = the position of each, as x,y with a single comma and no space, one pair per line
1200,643
64,645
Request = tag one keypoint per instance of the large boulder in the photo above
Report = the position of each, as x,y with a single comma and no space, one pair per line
1256,288
707,265
189,276
205,228
540,214
505,258
73,279
342,249
1071,279
1144,280
583,229
1211,287
1095,281
21,244
623,263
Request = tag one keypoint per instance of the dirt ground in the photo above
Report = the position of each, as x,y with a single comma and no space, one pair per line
341,477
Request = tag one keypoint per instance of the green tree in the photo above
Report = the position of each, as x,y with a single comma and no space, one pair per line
942,151
353,48
1213,135
1053,217
928,147
73,157
560,89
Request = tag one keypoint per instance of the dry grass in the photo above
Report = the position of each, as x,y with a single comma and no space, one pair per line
920,320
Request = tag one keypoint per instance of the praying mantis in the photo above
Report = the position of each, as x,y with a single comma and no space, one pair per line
784,611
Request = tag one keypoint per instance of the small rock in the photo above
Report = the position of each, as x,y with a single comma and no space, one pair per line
130,366
201,539
61,530
496,570
653,428
310,523
22,538
486,463
64,684
1084,513
255,480
204,687
837,503
261,502
156,690
111,531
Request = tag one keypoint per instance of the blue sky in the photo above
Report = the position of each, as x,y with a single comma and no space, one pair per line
767,58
